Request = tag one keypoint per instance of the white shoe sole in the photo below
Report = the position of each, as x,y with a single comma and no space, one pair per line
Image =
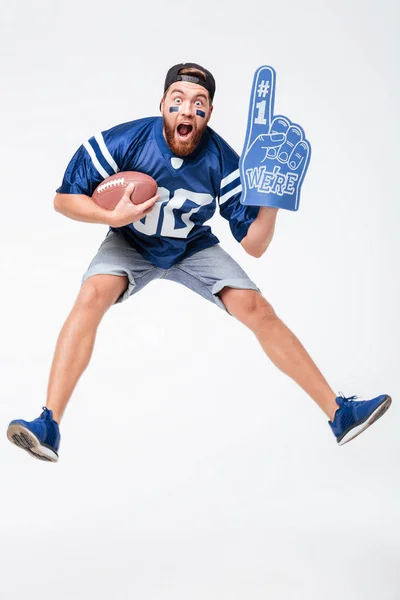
378,412
25,439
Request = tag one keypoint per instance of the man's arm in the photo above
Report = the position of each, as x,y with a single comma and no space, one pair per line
82,208
260,232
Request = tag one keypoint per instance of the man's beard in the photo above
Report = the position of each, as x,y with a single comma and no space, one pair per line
182,148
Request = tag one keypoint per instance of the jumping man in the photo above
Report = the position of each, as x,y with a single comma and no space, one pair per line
166,238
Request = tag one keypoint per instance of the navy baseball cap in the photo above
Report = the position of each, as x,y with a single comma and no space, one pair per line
174,75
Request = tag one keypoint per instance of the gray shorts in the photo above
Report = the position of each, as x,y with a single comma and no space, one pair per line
206,272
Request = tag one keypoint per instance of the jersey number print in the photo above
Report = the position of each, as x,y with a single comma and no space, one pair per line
171,215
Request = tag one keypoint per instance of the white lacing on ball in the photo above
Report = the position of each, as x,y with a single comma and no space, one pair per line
113,183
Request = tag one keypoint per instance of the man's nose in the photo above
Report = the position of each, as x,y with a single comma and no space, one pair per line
188,108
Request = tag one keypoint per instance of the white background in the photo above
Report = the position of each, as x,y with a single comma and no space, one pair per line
190,468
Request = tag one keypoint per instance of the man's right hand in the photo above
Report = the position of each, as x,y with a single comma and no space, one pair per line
126,212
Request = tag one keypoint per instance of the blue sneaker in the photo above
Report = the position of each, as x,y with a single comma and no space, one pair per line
352,418
41,437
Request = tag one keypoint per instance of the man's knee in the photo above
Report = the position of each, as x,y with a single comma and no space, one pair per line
249,306
99,292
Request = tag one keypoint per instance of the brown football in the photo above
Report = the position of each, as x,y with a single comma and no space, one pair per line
110,191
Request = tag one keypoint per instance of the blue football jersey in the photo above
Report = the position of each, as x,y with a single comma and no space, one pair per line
189,187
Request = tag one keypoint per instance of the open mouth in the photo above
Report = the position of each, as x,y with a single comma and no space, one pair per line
184,131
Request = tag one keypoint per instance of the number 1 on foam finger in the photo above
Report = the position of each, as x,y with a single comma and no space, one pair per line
260,118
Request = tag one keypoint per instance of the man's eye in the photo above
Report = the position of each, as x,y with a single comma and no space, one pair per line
178,100
198,103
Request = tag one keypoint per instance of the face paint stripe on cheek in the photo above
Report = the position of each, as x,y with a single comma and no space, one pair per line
174,109
200,113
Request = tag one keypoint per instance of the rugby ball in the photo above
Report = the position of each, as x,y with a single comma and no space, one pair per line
110,191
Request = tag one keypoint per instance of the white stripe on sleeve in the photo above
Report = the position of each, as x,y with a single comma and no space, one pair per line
106,154
229,194
234,175
96,163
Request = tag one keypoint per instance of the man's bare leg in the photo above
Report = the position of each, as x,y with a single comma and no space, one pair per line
76,340
280,345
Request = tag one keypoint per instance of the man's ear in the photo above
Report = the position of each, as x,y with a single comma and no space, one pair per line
161,104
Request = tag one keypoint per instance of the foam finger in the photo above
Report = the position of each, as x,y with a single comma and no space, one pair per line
261,104
271,143
299,155
280,125
293,137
